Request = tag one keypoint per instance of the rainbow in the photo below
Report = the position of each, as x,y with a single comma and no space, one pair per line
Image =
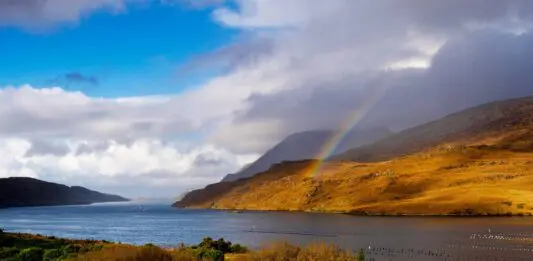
346,126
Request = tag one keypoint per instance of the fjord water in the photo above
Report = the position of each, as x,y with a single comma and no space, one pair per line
383,238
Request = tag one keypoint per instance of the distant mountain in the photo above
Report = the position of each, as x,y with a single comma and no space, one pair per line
306,145
491,119
28,192
474,162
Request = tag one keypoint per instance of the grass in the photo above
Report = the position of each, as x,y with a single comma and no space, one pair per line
24,247
285,251
471,181
274,252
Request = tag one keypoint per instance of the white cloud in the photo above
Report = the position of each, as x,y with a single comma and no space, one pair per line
136,145
141,168
40,14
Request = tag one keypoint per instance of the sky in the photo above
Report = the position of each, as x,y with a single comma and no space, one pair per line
152,98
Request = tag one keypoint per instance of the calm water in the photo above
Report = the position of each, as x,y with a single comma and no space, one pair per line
383,238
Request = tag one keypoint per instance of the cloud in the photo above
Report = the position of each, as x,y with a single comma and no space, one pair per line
53,112
146,167
301,65
41,14
75,78
42,147
326,58
207,159
194,3
133,146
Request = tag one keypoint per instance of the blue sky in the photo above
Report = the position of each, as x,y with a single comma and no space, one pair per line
132,53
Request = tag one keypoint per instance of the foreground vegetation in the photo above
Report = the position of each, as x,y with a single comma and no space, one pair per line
24,247
275,252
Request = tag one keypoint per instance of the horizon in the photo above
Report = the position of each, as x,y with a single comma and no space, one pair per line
154,98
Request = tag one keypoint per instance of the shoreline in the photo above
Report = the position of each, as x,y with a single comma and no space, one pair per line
61,205
365,213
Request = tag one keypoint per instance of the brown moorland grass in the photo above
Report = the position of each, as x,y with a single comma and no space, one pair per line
475,162
275,252
135,253
283,251
472,180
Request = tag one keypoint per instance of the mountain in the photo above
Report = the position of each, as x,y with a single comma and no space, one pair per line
28,192
306,145
508,118
474,162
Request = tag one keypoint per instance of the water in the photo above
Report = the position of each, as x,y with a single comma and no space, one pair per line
383,238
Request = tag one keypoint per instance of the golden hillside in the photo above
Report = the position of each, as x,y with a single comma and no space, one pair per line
479,166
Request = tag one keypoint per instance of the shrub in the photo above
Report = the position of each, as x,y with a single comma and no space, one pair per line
238,249
150,252
31,254
324,252
285,251
7,252
220,245
52,254
71,249
210,254
278,251
91,248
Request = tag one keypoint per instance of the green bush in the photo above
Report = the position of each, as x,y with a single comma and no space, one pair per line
209,254
6,252
238,249
52,254
71,249
31,254
220,245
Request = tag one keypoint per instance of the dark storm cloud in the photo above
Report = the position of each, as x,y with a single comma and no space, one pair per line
479,68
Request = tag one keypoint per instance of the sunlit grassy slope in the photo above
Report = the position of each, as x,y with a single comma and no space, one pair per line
476,162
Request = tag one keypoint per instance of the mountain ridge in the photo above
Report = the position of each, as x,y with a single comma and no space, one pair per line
474,162
441,130
30,192
306,145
